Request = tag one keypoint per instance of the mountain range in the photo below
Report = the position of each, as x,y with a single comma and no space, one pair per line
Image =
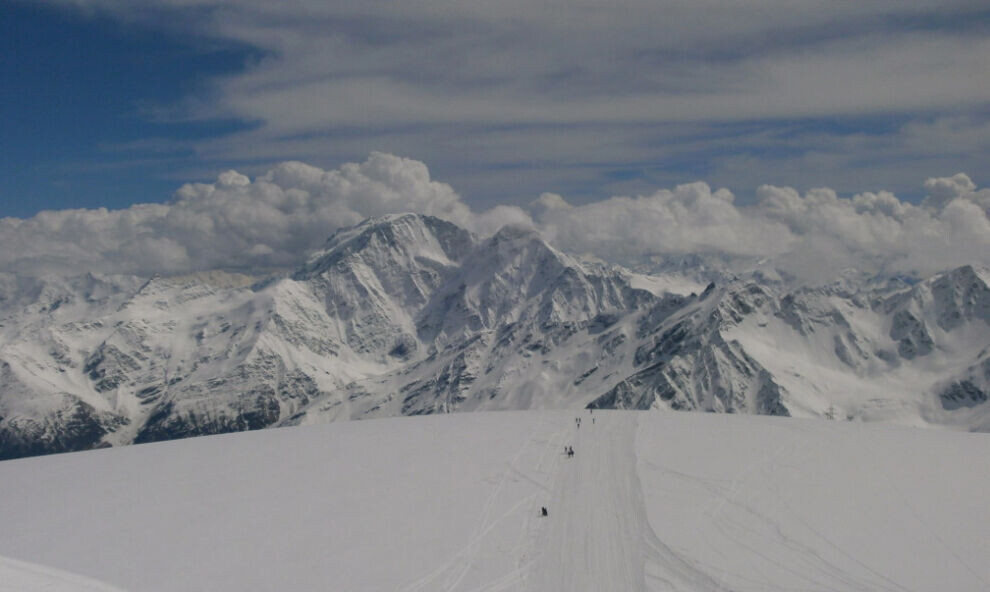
410,315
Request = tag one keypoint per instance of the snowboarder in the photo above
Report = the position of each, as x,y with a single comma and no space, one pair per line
544,511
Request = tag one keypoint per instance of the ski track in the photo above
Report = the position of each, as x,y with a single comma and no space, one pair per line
22,576
597,536
594,537
452,573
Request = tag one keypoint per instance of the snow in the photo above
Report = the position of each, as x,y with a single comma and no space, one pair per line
21,576
658,285
650,501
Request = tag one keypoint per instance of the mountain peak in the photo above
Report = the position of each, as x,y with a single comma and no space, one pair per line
379,241
511,242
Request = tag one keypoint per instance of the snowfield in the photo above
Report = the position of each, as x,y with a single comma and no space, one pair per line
650,501
21,576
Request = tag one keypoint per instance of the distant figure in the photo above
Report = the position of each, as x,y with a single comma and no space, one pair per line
570,451
544,512
592,421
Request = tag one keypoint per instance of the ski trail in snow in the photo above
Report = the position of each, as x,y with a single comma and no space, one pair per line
449,576
597,536
880,468
21,576
781,546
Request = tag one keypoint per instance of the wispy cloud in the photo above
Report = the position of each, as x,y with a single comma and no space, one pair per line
478,88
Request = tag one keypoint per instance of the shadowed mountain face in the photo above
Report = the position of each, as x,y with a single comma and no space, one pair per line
408,315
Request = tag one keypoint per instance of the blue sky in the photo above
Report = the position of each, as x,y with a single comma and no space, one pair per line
110,103
79,101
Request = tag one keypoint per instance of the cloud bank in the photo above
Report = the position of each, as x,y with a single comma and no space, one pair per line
274,220
232,223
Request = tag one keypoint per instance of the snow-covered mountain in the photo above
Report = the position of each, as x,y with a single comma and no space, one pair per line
409,314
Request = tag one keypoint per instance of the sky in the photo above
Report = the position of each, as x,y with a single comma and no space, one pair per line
118,105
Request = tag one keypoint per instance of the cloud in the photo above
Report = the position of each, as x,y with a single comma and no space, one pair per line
942,190
814,236
551,201
564,92
233,223
877,231
689,219
274,220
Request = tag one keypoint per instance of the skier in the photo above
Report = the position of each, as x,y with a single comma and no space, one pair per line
544,512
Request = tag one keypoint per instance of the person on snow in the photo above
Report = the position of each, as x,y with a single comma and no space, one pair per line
544,512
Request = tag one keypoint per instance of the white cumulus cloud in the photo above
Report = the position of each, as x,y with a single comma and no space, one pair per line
277,218
692,218
815,235
231,223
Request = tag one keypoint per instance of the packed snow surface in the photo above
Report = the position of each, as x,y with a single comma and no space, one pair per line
21,576
649,501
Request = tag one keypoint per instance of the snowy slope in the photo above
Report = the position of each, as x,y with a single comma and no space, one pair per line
21,576
412,315
650,501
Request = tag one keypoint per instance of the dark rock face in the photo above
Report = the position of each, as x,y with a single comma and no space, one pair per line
962,394
628,394
686,364
203,409
960,295
441,394
256,410
108,367
74,426
911,335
